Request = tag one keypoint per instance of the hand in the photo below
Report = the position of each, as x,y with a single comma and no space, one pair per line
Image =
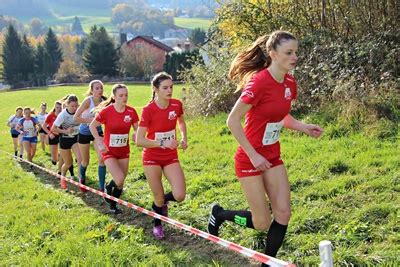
171,144
183,144
100,145
51,136
259,162
313,130
69,130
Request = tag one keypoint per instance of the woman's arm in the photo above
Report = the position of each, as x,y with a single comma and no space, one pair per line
85,105
18,127
100,141
135,127
56,129
309,129
93,129
143,141
44,127
182,128
234,124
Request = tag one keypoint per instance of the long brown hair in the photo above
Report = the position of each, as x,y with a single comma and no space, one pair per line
158,79
256,57
111,99
68,99
58,102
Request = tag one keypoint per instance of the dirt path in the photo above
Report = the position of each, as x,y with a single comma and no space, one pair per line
175,239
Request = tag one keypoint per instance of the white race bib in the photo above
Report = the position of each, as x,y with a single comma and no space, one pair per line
271,133
165,135
118,140
29,131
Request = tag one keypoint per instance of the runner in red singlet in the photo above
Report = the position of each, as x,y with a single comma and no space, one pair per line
157,135
118,118
268,92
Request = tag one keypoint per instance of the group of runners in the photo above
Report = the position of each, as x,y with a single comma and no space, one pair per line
268,90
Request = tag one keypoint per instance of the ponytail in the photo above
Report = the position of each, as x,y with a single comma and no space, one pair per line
256,57
104,104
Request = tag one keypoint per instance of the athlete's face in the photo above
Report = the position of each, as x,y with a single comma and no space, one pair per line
43,107
164,91
57,108
18,113
97,90
72,106
27,113
121,96
285,54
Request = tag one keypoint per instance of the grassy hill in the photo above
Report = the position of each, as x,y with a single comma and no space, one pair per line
344,189
62,15
192,23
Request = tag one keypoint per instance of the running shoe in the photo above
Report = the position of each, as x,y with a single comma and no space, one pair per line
158,232
115,210
63,184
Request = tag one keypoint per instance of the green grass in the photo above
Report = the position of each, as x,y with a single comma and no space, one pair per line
344,189
192,23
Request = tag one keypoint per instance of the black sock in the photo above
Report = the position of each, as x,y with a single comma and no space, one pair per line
157,210
115,193
71,170
241,217
169,197
275,236
110,187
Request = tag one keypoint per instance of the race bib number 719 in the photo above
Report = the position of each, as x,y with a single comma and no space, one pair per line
271,133
165,135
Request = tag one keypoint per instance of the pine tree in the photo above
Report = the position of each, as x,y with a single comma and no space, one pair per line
52,48
42,63
77,27
100,56
11,56
198,36
27,59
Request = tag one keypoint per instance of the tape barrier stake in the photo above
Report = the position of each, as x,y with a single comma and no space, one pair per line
273,262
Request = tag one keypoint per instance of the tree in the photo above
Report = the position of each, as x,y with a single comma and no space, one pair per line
37,27
198,36
137,64
52,48
100,56
175,63
27,60
12,57
42,62
77,27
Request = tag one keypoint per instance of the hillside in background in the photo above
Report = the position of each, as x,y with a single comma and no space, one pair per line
59,14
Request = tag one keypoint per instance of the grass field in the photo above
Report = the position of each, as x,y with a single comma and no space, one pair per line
344,189
192,23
